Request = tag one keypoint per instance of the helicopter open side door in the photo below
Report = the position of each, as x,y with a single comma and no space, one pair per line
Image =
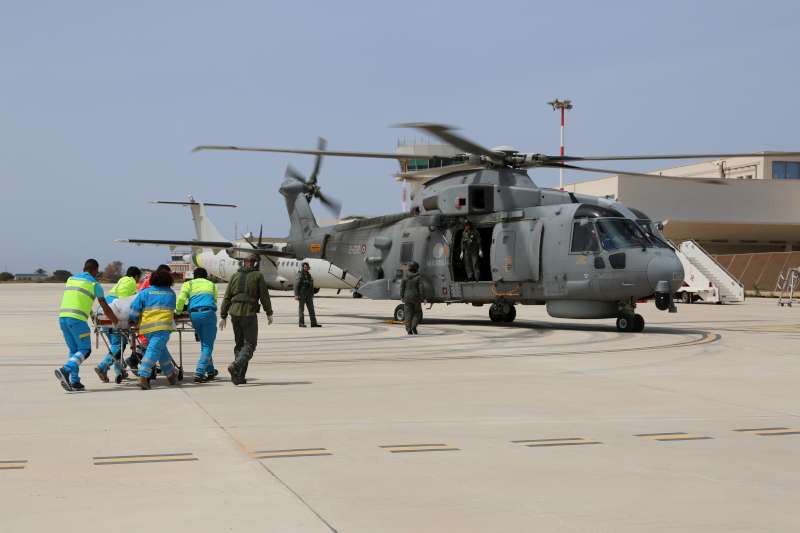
516,251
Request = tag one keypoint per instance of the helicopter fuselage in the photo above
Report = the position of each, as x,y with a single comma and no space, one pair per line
582,256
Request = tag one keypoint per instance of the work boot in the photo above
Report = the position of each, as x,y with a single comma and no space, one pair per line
102,374
173,378
302,325
77,386
316,325
144,383
212,374
414,331
240,363
234,374
133,362
63,377
200,378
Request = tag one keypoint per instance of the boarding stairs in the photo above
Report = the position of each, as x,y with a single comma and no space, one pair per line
787,286
705,278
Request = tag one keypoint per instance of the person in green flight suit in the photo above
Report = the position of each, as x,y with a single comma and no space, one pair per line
245,290
471,252
304,294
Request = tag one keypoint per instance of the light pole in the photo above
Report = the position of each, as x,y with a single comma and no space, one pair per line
563,106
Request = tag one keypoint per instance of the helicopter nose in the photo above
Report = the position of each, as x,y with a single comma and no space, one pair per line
665,268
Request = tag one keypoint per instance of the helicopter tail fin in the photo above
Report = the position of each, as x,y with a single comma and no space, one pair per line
303,225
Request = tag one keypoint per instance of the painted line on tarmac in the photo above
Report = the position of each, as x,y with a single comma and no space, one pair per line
13,465
296,452
545,443
144,458
770,432
418,448
672,437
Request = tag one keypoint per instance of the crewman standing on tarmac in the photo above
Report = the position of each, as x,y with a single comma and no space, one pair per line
245,289
471,251
199,294
304,294
411,289
76,306
125,287
154,310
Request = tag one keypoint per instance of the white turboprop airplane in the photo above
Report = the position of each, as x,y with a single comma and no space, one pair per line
221,257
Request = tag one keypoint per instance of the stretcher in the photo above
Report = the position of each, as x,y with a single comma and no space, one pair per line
102,329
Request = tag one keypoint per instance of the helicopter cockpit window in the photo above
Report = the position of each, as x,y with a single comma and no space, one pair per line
584,236
616,233
649,230
596,211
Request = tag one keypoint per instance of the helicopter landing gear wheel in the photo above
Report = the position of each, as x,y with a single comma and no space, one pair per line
638,323
502,312
627,322
400,313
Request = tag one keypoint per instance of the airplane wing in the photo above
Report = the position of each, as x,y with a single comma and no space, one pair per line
192,243
231,248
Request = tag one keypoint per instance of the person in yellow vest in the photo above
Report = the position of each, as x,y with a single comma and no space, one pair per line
125,287
76,306
199,294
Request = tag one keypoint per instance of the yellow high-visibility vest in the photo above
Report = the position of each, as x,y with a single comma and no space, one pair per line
78,298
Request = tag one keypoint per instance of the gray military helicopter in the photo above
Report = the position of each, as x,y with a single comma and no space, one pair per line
582,256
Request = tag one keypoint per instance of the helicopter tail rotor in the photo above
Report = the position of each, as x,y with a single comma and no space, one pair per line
311,188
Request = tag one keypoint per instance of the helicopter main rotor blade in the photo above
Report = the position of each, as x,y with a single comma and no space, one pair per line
321,145
334,206
373,155
713,181
568,158
445,133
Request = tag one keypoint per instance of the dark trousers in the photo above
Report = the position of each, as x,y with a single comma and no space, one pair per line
307,301
245,334
413,313
472,266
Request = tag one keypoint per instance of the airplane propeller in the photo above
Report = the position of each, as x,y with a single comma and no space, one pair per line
311,186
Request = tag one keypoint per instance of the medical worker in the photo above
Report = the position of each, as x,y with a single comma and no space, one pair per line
199,294
76,306
154,309
125,287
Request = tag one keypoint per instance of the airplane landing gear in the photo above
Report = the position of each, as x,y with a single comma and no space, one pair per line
627,322
502,311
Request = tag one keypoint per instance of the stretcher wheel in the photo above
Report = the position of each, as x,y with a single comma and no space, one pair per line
180,374
118,379
153,374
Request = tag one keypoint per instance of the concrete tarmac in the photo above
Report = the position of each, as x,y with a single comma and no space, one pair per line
543,425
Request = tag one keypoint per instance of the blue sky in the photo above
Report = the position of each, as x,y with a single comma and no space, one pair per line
102,102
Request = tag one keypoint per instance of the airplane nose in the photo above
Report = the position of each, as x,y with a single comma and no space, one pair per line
665,268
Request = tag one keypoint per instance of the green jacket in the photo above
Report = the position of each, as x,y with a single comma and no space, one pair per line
412,288
246,288
471,241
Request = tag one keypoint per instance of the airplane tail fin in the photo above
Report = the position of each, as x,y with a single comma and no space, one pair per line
204,229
